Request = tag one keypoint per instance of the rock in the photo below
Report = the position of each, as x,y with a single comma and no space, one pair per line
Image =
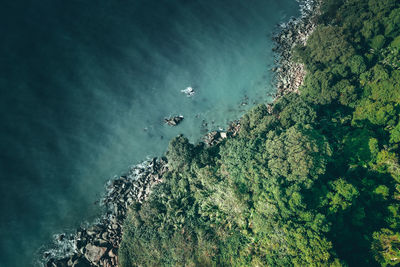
81,262
189,91
223,135
61,237
104,235
90,232
211,137
111,253
101,242
174,121
94,253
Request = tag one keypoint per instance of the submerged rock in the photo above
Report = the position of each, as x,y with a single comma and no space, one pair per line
174,121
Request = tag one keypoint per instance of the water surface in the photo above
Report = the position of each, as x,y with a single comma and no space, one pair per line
85,86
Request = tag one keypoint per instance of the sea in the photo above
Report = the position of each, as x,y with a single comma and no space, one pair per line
85,87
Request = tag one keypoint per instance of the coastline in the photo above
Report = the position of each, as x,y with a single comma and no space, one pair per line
97,244
289,75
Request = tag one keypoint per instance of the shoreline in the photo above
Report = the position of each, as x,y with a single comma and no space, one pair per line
289,75
97,244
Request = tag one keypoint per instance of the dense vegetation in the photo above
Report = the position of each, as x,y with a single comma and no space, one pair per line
314,183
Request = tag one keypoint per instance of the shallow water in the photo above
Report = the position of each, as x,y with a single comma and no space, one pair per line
85,86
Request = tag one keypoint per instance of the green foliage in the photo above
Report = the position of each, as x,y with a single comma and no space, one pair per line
395,134
180,152
391,58
357,147
326,45
395,43
318,88
348,93
378,42
381,102
357,64
342,195
294,110
388,162
257,122
393,220
298,154
382,191
373,148
387,247
391,23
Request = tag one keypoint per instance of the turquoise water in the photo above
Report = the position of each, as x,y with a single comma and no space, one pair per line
85,86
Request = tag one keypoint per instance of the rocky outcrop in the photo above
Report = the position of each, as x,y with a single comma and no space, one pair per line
233,128
213,138
98,244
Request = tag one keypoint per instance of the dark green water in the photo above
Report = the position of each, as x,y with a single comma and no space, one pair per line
85,85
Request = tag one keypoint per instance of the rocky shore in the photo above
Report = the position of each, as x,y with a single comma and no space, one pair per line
97,245
289,74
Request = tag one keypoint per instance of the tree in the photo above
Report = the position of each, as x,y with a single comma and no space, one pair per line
386,247
348,93
180,152
342,195
378,42
326,45
298,154
356,147
318,89
395,134
294,110
391,23
357,64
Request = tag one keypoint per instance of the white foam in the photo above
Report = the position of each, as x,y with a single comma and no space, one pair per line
189,91
63,246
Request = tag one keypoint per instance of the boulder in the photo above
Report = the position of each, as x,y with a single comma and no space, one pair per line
104,235
111,253
174,121
94,253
